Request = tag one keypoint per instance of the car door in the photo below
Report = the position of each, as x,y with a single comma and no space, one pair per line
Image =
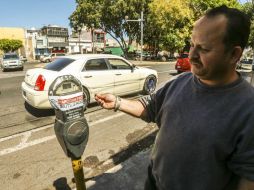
127,78
97,76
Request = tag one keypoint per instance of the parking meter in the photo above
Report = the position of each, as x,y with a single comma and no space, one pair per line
71,128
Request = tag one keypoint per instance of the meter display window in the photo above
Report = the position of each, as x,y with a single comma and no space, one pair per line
59,64
96,65
118,64
67,87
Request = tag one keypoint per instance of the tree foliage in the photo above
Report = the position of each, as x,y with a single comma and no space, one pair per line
9,45
167,23
248,9
109,15
201,6
170,21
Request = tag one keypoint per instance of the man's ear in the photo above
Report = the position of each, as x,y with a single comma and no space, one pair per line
236,54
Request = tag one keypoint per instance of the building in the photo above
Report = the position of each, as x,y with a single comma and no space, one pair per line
87,41
31,38
15,34
56,38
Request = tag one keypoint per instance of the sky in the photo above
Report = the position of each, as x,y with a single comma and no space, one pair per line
35,13
38,13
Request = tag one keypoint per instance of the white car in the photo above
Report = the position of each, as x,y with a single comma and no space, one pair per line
99,73
11,61
51,57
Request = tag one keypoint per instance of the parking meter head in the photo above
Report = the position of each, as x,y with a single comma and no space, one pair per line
71,128
65,93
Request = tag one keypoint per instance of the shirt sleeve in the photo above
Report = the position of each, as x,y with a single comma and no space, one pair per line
242,160
149,104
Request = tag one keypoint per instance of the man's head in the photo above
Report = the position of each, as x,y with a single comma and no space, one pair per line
217,42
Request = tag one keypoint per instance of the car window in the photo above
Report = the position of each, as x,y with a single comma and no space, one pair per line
10,56
96,65
59,64
118,64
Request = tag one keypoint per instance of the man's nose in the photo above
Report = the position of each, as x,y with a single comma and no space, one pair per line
193,54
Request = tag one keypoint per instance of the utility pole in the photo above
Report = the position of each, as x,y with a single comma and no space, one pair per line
141,22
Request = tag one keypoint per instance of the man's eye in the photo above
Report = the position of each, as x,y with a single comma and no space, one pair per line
204,49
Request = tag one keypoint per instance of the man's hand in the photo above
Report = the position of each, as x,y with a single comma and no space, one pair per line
106,101
132,107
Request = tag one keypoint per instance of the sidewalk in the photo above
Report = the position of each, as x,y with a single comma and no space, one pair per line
130,174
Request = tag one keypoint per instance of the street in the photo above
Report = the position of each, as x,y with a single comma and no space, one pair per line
31,157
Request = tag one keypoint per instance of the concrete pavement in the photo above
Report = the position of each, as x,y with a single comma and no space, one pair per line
130,174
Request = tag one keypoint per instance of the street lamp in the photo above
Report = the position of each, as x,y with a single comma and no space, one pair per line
140,20
79,32
93,45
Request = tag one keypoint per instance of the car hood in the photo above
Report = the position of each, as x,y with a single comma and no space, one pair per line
147,71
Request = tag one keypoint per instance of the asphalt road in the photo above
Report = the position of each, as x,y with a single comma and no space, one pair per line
30,156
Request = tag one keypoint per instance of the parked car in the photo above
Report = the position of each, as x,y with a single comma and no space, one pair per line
165,56
100,73
23,59
245,64
145,56
183,63
11,61
51,57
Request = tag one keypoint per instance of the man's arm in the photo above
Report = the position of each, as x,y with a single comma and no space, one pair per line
132,107
245,184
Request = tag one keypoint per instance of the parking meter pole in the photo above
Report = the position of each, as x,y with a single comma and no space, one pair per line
77,166
71,127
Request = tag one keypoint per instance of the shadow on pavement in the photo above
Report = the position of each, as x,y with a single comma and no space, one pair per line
61,184
129,175
38,112
124,174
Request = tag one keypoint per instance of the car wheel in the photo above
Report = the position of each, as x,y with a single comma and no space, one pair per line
3,69
86,97
22,68
149,85
47,61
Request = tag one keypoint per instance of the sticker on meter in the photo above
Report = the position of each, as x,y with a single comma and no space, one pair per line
67,102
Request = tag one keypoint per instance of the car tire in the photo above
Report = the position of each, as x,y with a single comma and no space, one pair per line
149,85
47,61
86,97
3,69
21,69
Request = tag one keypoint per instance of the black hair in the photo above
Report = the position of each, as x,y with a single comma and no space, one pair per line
238,25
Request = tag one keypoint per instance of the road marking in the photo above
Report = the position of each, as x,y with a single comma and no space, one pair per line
25,136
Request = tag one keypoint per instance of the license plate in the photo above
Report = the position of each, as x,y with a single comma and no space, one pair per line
178,67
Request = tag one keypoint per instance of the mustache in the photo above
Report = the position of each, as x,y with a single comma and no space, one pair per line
195,61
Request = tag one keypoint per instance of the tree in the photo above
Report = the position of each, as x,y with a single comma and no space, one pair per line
8,45
200,6
109,15
248,8
169,24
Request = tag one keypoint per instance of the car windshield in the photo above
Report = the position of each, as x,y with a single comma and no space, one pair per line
184,55
11,56
59,64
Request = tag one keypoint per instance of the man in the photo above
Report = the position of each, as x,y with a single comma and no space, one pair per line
206,117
